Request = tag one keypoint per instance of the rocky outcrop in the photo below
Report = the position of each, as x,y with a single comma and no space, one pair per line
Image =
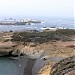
64,66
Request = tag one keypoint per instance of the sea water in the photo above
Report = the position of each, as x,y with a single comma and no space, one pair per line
46,22
8,67
16,66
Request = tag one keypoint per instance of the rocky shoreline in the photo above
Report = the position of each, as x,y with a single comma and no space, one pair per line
34,44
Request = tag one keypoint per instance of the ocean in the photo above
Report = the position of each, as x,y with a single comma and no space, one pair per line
46,22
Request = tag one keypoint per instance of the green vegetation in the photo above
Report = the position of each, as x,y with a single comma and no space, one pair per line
41,37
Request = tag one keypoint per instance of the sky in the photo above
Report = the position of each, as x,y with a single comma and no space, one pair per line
45,8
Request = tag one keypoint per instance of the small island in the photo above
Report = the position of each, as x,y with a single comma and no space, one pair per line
11,21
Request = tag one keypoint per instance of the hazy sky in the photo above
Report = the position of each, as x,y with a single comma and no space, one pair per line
48,8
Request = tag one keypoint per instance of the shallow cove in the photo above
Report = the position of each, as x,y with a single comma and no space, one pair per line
22,65
10,66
